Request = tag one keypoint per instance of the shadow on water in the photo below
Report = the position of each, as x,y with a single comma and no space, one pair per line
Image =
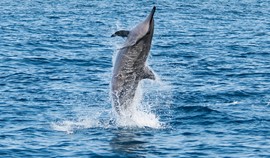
127,143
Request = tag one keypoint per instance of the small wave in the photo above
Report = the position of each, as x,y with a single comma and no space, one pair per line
192,109
200,115
69,126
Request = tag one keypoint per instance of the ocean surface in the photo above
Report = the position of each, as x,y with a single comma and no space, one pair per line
211,99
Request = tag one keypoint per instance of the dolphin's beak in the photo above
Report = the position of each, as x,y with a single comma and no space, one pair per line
151,15
153,11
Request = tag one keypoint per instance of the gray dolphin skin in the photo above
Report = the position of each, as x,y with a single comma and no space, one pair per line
130,64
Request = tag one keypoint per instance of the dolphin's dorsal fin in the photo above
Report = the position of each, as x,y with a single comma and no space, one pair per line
122,33
148,73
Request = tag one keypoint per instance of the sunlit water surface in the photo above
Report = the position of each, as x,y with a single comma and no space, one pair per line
212,98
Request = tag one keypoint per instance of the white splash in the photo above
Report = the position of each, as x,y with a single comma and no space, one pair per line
137,118
84,120
71,126
139,114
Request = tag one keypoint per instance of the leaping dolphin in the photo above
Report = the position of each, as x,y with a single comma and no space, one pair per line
130,65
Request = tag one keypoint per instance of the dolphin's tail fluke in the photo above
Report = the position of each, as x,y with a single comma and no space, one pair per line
151,15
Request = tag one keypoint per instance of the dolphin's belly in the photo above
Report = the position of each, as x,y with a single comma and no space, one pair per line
123,90
124,80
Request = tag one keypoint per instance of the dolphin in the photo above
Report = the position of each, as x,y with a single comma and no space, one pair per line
130,65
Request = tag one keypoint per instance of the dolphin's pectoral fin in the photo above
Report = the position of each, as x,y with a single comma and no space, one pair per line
148,74
122,33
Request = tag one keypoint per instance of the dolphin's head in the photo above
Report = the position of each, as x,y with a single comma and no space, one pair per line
150,19
144,28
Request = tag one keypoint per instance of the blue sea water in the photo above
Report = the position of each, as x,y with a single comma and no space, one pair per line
212,99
